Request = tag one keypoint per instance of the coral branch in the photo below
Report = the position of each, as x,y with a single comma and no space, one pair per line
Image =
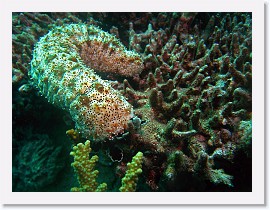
84,169
129,181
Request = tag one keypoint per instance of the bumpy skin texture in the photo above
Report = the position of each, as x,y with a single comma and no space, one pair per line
59,72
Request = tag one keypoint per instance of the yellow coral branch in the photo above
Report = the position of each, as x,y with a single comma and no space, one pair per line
84,168
129,181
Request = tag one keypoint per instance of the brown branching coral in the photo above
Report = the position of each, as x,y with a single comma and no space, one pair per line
196,91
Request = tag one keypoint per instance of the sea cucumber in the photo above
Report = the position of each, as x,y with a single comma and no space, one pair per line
62,70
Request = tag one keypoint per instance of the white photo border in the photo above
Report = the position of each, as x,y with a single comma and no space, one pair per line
257,196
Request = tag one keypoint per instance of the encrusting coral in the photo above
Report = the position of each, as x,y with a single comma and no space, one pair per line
59,72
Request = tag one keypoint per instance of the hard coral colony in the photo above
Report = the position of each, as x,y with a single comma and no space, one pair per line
178,104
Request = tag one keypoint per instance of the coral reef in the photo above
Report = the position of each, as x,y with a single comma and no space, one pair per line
187,106
196,95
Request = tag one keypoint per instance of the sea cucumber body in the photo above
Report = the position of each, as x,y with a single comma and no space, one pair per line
61,69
